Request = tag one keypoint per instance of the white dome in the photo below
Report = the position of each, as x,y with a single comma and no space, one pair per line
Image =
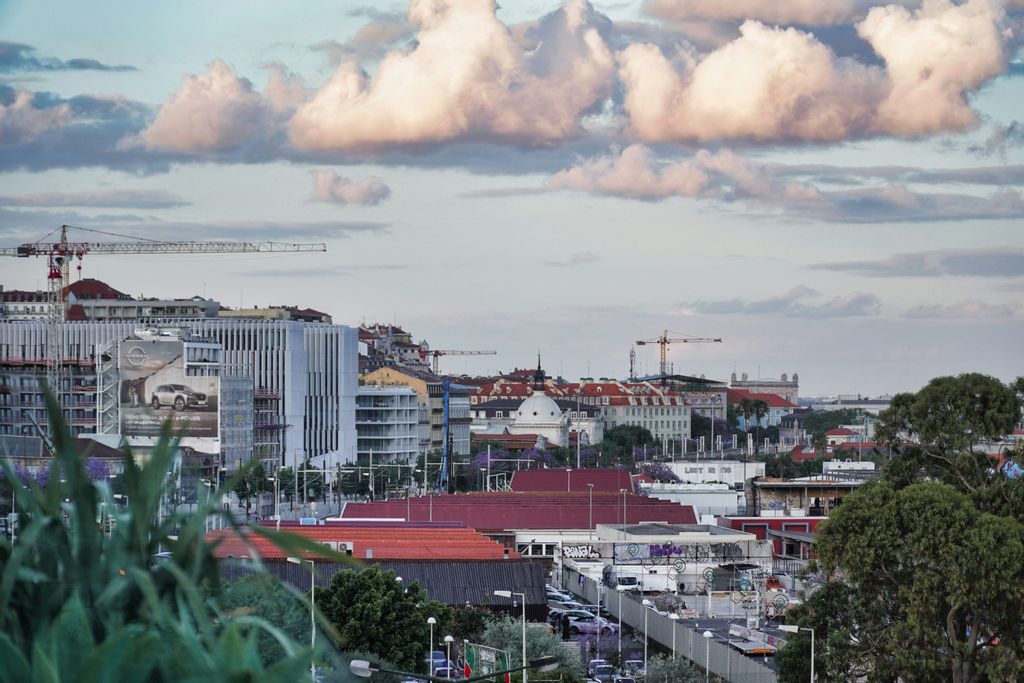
539,408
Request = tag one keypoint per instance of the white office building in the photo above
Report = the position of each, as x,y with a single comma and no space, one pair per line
387,423
304,378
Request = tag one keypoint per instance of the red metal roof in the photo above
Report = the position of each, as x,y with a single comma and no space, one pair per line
840,431
387,542
607,480
90,288
491,512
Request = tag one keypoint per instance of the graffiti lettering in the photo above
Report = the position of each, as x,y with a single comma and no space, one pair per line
580,552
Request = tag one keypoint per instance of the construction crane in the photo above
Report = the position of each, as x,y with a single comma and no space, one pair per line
435,354
59,255
664,341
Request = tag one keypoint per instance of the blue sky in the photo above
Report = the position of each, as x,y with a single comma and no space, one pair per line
832,187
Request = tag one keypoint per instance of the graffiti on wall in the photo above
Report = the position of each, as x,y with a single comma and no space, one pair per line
581,552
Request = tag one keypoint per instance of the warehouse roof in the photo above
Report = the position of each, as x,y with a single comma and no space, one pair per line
607,480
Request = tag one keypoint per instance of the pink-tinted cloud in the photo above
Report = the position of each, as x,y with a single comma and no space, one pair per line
775,84
466,79
212,112
807,12
21,121
637,173
328,186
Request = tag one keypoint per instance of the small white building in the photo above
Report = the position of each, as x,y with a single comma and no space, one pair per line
706,499
387,423
847,466
711,470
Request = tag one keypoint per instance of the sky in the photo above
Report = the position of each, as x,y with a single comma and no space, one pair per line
832,187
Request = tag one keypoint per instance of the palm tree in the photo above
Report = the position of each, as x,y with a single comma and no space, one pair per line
746,410
759,409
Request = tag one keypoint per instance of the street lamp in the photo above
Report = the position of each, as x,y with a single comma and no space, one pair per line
277,496
623,492
312,604
620,624
674,617
793,628
430,657
708,635
647,604
448,640
509,594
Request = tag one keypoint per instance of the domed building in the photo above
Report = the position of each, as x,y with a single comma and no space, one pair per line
540,415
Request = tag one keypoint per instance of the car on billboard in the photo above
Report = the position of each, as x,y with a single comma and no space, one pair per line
177,396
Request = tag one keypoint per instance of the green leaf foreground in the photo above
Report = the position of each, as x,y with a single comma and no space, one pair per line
80,604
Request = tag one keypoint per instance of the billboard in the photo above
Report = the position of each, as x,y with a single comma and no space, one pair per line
154,389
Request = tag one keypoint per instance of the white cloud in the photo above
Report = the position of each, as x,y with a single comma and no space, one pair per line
328,186
466,79
212,112
21,121
132,199
796,303
776,84
967,309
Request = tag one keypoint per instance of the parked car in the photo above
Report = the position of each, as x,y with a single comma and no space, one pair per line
447,672
591,624
623,679
593,664
633,666
604,673
178,396
566,604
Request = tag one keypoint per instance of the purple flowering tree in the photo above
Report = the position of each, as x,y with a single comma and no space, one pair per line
658,471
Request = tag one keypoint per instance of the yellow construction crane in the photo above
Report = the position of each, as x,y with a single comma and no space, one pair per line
664,340
435,354
59,255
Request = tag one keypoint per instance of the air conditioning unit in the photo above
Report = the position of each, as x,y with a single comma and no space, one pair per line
345,547
333,545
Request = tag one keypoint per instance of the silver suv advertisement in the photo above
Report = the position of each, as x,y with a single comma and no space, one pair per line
154,389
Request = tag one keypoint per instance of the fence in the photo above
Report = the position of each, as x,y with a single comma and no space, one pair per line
721,660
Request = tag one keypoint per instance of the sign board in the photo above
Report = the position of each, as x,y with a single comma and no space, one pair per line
483,661
154,389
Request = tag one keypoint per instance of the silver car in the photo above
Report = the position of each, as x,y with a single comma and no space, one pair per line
178,396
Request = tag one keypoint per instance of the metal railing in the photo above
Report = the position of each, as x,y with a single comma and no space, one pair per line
721,660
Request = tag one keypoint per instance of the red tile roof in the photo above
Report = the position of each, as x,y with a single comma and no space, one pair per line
840,431
387,542
491,512
606,480
90,288
773,400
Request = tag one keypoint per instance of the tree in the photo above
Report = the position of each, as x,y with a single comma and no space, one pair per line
824,420
373,612
507,634
938,586
819,442
760,410
622,439
264,596
251,484
661,669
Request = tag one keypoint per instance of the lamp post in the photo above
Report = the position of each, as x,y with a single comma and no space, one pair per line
509,594
430,657
277,496
708,635
568,480
674,617
448,640
312,608
647,610
620,624
623,492
793,628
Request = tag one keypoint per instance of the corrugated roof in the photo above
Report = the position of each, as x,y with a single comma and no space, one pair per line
489,512
607,480
453,583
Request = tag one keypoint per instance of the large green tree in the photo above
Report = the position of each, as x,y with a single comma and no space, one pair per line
939,586
373,612
507,634
264,596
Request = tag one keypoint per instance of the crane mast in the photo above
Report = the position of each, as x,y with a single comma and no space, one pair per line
435,354
59,255
664,341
